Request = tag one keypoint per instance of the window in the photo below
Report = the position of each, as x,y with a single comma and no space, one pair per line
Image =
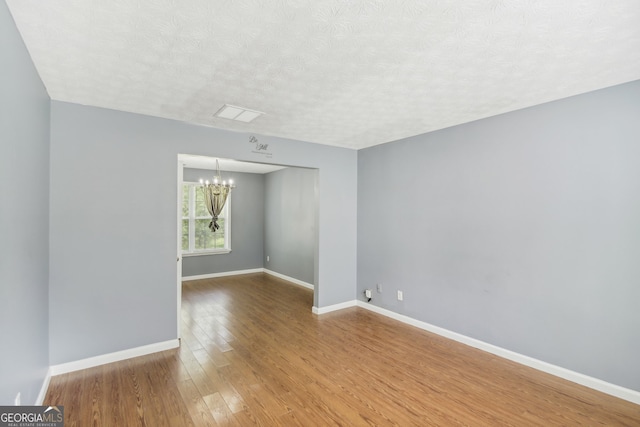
197,238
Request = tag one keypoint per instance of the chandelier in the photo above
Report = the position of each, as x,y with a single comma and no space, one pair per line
215,196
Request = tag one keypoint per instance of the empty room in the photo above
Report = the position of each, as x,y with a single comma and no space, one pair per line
320,213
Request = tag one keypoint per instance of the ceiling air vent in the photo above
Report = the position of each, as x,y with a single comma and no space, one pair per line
240,114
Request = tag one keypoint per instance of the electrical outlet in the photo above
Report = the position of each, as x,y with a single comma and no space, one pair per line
267,258
379,288
17,399
367,293
400,296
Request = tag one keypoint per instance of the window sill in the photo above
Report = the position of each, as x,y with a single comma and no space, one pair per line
201,253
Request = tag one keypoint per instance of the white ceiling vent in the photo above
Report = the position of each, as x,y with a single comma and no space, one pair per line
237,113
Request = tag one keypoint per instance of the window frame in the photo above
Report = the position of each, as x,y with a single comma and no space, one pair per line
225,214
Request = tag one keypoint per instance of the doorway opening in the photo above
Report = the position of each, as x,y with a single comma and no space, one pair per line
273,218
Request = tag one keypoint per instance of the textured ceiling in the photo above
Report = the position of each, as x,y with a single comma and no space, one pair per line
345,73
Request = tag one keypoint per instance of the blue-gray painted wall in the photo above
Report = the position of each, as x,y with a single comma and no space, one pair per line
24,220
247,226
521,230
291,231
273,214
113,278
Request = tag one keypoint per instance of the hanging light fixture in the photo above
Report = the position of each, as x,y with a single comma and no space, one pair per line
215,196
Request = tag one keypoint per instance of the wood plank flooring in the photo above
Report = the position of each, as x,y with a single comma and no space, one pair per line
252,353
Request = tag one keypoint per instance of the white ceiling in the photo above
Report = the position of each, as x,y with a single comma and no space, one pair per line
336,72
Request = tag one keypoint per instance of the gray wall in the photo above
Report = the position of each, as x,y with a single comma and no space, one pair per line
113,281
521,230
24,220
247,226
291,231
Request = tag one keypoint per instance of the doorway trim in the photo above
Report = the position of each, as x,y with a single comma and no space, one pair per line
179,248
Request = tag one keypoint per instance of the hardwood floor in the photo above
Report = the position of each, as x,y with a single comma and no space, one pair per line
253,353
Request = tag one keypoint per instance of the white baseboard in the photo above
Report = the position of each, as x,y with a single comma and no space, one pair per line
113,357
334,307
289,279
253,270
576,377
44,388
223,274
